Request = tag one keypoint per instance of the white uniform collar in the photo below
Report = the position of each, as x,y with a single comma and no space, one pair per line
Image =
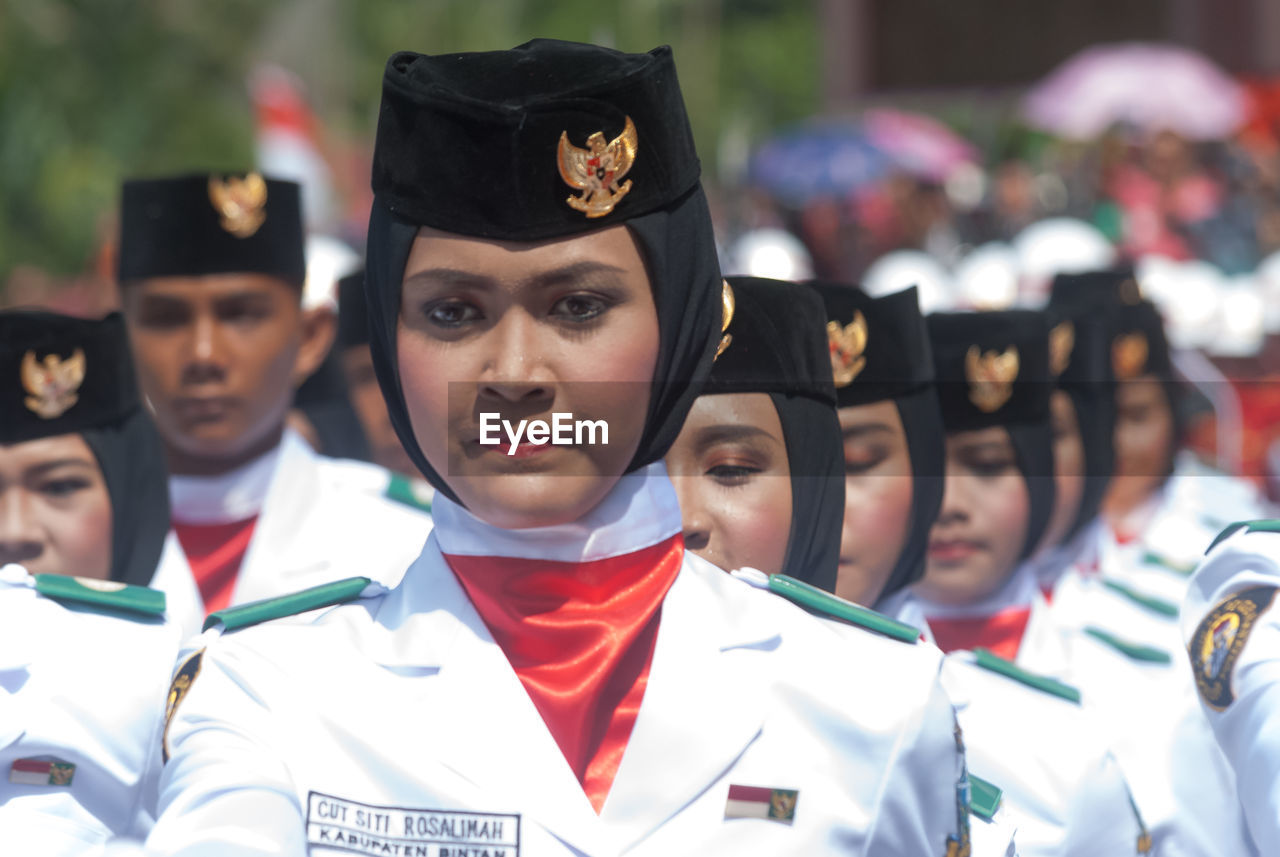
234,496
1020,590
641,510
1049,565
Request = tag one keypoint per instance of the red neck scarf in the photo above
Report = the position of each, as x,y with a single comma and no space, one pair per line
1001,632
580,636
215,553
575,609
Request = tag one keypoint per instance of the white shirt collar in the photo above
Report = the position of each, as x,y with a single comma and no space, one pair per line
233,496
641,510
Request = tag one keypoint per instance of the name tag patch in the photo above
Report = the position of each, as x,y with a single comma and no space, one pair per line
362,828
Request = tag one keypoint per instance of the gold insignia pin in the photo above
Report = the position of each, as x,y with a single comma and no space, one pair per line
1129,355
1061,340
241,203
54,383
728,303
991,376
847,345
597,169
178,690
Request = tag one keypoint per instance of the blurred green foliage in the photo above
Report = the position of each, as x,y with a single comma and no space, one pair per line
92,91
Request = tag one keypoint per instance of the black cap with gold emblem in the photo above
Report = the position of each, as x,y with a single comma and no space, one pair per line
198,224
881,346
545,141
993,370
61,375
777,345
535,142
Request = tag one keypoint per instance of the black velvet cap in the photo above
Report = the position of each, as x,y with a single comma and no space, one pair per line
777,344
353,311
469,142
198,224
992,368
886,351
1112,287
60,375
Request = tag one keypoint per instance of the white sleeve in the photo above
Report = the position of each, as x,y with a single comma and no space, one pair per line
925,803
225,789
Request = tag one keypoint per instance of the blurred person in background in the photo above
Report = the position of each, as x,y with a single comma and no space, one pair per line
211,270
85,651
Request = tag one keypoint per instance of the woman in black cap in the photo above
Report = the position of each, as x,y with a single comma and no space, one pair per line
767,411
993,387
892,434
85,653
554,675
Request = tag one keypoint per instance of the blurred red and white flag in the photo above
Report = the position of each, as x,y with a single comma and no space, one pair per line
288,141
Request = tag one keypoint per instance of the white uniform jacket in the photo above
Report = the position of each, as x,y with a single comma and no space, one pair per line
1231,624
396,722
1063,791
320,519
82,695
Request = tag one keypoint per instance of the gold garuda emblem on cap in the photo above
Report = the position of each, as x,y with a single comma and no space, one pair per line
597,169
847,344
728,304
1129,355
1061,340
241,203
991,376
53,383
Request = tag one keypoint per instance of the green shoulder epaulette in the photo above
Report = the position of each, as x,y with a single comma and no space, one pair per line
253,613
1149,602
404,490
1136,651
138,600
984,797
1181,568
825,604
995,663
1262,525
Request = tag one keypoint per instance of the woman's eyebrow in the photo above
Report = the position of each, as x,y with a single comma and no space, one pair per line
45,466
447,278
855,431
986,446
717,434
568,273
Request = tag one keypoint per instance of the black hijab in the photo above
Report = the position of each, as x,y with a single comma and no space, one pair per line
61,375
470,144
778,346
979,387
888,335
1080,359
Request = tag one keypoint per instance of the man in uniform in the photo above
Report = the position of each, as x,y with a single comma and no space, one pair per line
211,271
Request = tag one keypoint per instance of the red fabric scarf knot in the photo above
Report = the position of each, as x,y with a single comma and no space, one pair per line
215,553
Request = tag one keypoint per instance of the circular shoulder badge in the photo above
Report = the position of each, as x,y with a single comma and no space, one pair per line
1219,640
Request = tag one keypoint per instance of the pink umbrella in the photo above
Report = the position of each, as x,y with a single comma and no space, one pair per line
1154,87
918,144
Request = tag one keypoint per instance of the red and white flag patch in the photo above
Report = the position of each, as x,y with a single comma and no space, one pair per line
760,802
37,772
